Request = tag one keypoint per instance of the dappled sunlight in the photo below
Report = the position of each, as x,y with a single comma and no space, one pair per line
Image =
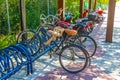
99,53
116,33
90,73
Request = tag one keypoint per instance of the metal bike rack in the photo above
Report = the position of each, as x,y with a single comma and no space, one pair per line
12,59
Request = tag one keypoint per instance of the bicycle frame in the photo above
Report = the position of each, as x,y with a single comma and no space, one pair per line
58,43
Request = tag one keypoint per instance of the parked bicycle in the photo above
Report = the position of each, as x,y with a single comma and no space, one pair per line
84,28
72,57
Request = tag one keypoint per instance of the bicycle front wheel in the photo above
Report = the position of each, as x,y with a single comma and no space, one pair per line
73,58
31,40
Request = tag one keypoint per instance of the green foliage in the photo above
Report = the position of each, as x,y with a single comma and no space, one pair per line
105,1
2,17
14,14
6,40
33,10
117,0
36,7
72,6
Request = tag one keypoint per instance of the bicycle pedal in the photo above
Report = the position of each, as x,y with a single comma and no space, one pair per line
50,55
89,62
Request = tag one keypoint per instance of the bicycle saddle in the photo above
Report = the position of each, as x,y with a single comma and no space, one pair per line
70,32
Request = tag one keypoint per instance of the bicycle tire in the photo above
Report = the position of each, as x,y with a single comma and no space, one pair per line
32,41
81,58
88,43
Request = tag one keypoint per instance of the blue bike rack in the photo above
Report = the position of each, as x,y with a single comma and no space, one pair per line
12,59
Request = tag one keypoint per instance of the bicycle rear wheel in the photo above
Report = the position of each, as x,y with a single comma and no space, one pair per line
31,40
73,58
88,43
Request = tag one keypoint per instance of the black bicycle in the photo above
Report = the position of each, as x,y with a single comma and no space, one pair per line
70,54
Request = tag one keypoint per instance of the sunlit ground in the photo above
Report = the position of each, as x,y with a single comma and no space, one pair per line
116,33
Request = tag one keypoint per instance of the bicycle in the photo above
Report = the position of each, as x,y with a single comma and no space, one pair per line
83,37
56,44
84,29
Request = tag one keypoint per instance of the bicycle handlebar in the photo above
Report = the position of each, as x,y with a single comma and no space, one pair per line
42,16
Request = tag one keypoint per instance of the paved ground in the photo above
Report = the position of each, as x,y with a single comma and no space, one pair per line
105,64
